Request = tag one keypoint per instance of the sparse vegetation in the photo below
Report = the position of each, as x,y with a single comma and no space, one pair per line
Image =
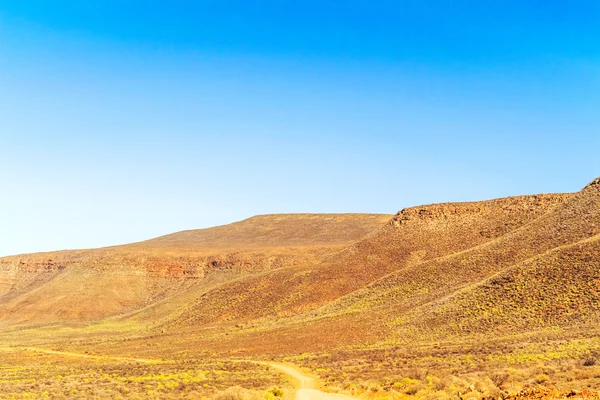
30,374
483,300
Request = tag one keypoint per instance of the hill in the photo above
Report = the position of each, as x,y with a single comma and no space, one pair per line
91,284
494,298
412,237
504,266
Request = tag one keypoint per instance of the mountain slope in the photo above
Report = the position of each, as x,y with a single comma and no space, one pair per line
435,269
543,274
91,284
413,236
428,272
560,287
491,299
574,220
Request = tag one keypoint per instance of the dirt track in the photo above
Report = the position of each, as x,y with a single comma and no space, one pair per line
306,385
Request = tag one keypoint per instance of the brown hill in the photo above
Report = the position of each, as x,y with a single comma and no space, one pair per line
91,284
560,287
491,299
426,269
527,263
276,230
558,248
412,237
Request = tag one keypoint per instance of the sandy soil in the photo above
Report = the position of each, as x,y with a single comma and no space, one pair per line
306,384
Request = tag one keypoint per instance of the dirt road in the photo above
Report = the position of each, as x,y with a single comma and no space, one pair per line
306,385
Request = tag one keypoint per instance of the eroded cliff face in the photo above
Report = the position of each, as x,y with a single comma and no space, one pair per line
98,283
532,205
90,284
16,274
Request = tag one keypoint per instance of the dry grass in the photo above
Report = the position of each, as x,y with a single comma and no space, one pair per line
480,369
26,374
496,299
67,286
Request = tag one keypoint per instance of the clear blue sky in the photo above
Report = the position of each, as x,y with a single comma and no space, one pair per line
124,120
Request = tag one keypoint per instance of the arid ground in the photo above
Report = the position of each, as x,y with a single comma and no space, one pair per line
495,299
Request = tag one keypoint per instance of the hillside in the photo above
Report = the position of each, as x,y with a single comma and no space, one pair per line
542,274
412,237
527,264
505,266
277,230
496,298
90,284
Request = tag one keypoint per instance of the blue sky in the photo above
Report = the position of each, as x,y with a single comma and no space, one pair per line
125,120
